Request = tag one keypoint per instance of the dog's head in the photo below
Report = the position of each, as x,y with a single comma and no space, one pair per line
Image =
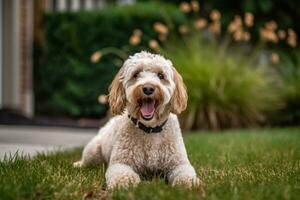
149,87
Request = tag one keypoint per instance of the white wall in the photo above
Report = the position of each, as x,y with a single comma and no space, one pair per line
1,51
11,54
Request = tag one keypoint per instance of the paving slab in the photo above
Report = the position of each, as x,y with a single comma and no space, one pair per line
31,140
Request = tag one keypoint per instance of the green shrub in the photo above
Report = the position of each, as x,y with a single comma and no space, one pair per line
66,81
225,88
289,71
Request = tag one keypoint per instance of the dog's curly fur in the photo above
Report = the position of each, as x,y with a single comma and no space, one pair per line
128,151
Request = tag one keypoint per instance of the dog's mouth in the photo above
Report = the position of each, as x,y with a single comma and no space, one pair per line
147,108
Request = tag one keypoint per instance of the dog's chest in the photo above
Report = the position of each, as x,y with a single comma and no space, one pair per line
152,153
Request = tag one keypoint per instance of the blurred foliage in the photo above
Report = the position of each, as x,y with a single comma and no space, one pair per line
66,81
230,81
229,72
289,71
227,88
286,13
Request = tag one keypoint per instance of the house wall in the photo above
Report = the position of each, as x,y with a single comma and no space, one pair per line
11,58
26,56
1,51
17,55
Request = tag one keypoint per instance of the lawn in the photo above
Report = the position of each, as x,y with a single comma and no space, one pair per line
245,164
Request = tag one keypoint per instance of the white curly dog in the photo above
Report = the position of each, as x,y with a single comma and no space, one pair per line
145,136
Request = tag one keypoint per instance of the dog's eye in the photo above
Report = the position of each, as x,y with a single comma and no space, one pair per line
135,75
160,75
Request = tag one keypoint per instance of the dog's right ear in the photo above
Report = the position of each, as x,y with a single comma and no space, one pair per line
117,97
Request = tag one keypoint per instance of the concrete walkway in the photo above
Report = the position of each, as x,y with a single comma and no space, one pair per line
30,140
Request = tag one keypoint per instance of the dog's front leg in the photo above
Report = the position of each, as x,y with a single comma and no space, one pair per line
121,176
184,175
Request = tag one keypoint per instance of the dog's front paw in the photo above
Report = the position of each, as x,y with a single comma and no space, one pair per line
186,181
123,181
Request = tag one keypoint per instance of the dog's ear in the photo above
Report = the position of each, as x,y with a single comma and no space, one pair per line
180,97
117,97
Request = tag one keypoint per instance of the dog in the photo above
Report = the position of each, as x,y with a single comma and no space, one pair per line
144,137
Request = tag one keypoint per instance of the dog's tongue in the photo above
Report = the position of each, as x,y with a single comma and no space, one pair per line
147,108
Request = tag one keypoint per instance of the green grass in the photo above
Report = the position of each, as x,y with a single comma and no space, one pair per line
248,164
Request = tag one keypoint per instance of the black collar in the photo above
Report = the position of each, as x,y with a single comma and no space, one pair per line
145,128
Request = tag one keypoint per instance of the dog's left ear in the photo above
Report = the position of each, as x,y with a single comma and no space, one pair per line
180,97
117,97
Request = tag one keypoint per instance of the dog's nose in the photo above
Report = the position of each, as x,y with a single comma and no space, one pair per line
148,89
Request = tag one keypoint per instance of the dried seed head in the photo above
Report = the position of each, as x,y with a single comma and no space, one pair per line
160,28
200,23
274,58
215,15
248,19
185,7
281,34
271,25
102,99
292,38
238,35
135,40
238,20
96,56
153,44
292,42
195,5
268,35
232,27
292,33
235,25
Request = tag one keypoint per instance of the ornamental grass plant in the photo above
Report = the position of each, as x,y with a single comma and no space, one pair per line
226,89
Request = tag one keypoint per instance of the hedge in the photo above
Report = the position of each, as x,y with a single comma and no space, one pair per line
66,82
